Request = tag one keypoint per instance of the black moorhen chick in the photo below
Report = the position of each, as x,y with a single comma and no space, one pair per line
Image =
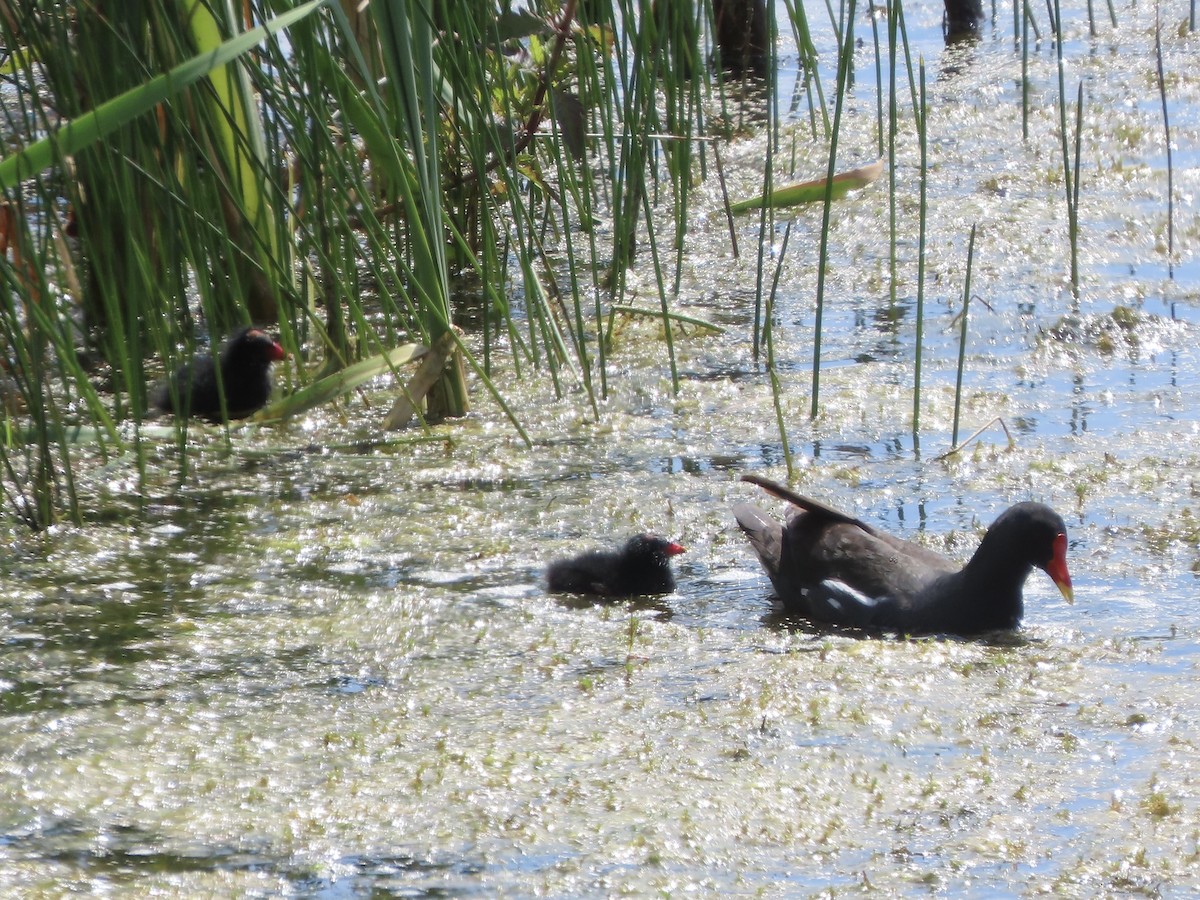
245,375
641,567
835,569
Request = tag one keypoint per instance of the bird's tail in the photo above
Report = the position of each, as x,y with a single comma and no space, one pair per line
764,532
809,505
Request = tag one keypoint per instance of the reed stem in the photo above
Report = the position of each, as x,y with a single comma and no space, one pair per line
1025,71
922,132
844,62
1162,93
766,226
1075,191
1069,183
962,338
772,369
878,80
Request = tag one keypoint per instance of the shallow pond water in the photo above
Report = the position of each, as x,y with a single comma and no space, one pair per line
327,665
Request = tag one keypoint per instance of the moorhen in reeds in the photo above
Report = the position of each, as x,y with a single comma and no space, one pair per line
639,568
834,569
245,363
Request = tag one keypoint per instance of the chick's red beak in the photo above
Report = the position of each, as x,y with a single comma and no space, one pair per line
674,549
1057,568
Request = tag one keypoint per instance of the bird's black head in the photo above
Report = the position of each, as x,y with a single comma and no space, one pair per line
649,547
252,347
644,566
1035,534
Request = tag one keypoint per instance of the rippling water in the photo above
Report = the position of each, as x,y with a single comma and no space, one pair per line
327,666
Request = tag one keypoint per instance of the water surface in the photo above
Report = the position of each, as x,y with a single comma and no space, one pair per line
327,665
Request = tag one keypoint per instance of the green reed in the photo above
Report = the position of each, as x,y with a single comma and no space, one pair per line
766,220
922,138
1025,70
340,184
879,92
1070,181
772,369
897,35
1074,190
845,59
810,64
1162,94
962,338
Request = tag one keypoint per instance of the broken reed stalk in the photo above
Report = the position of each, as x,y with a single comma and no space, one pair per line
978,431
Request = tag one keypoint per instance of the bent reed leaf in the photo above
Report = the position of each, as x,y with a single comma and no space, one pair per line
334,385
813,191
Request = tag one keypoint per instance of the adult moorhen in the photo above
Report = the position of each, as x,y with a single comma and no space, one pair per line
832,568
641,567
245,377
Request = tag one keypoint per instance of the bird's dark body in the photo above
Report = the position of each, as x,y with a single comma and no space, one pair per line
832,568
245,363
642,567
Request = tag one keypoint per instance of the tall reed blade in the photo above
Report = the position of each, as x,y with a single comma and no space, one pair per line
962,338
922,136
417,91
1024,71
810,64
772,369
897,34
1075,191
844,65
766,220
1162,94
1068,180
879,92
